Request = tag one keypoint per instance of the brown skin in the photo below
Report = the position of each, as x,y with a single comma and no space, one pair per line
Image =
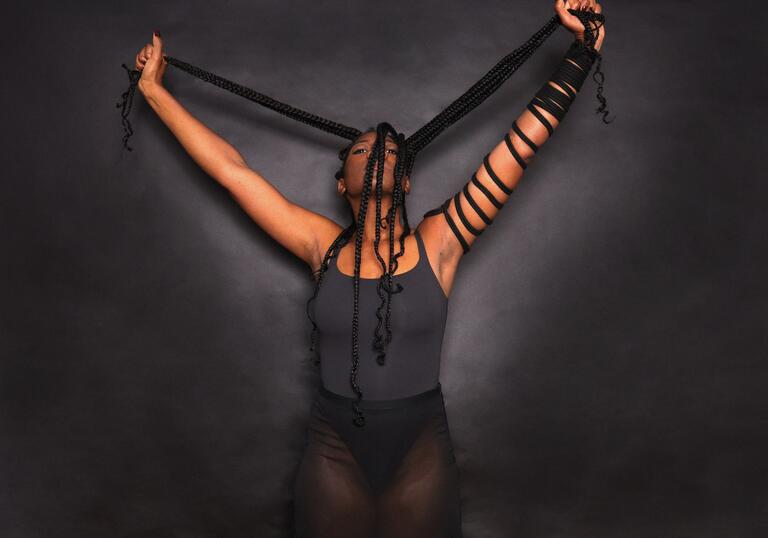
574,24
350,187
439,241
308,234
301,231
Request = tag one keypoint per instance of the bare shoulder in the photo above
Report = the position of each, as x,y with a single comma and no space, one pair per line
442,253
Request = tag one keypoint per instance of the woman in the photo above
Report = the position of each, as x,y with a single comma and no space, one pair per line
387,469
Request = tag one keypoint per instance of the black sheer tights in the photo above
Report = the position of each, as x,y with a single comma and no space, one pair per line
394,478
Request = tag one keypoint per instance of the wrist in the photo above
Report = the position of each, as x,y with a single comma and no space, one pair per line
596,36
598,43
148,88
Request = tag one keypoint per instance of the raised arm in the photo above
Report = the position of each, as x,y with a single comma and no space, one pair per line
294,227
473,208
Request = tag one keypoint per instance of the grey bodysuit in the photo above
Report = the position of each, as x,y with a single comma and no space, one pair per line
417,322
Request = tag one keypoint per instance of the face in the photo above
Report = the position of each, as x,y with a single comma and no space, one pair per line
351,184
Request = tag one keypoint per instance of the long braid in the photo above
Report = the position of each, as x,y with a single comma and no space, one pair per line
297,114
317,277
376,156
359,419
127,103
408,149
492,80
590,38
482,89
385,280
398,201
380,158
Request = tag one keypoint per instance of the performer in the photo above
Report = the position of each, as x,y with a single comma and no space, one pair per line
378,459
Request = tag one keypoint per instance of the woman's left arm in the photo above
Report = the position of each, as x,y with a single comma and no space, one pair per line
477,203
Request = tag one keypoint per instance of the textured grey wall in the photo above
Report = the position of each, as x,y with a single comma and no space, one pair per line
604,362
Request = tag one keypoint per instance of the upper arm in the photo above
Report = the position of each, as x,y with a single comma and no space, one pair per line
471,209
296,228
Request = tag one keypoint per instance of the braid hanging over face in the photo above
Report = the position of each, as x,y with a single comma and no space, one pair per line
409,147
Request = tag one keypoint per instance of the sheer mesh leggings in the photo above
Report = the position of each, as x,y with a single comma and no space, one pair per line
394,478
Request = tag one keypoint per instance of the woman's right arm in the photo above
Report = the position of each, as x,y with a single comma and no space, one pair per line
214,154
299,230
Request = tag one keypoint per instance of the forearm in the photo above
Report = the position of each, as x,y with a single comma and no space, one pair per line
544,113
210,151
476,205
538,122
534,130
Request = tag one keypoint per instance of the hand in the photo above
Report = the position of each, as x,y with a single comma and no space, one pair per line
574,24
151,63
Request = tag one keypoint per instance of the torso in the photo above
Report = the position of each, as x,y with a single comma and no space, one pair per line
417,322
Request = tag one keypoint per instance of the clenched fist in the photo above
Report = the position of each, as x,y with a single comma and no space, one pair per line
573,24
151,62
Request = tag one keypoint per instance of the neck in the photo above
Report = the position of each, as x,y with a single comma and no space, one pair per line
369,228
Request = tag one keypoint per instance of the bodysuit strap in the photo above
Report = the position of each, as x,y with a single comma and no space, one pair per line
420,246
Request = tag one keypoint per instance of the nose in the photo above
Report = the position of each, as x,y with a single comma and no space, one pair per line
388,167
388,164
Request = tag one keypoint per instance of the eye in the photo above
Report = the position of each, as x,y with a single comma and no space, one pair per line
358,150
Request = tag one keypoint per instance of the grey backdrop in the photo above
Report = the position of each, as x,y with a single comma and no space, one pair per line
604,361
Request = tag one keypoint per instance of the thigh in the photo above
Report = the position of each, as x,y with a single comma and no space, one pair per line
331,495
423,499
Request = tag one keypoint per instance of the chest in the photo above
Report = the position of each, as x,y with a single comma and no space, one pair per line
418,309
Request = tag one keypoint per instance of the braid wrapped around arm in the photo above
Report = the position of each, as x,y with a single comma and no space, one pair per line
472,209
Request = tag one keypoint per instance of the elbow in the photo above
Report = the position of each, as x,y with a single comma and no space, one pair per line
237,159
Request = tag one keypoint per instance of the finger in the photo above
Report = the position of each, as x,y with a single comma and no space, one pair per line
598,8
161,69
157,45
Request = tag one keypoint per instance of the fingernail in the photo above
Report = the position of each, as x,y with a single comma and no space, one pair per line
157,33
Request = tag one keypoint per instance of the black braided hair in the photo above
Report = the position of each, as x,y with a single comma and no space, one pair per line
408,148
384,286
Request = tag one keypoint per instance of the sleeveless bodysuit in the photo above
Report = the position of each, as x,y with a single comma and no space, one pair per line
397,477
418,316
